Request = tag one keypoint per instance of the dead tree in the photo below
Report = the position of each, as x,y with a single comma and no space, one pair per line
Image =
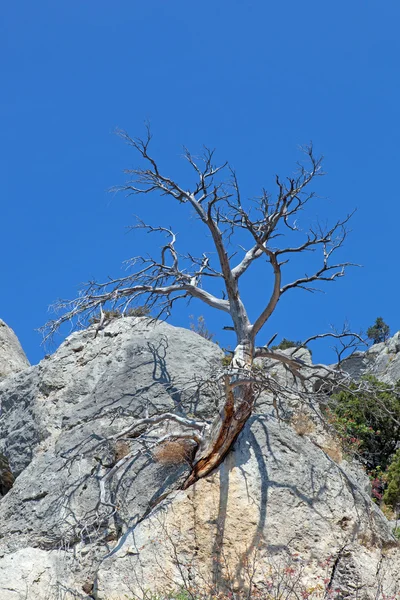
159,283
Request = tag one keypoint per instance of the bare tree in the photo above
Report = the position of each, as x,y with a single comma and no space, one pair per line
158,283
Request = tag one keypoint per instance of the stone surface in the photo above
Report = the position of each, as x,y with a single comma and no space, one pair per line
381,360
29,573
277,498
283,497
54,417
12,357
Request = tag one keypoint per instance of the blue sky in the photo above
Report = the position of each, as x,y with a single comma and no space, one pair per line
254,79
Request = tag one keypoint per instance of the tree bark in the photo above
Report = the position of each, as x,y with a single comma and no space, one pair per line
237,408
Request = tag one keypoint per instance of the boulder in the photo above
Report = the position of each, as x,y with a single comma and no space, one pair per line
54,423
279,509
283,504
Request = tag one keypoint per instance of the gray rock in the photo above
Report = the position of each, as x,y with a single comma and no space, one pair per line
277,498
283,494
12,357
381,360
355,472
53,423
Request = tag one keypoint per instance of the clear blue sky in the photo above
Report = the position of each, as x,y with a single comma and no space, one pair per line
255,79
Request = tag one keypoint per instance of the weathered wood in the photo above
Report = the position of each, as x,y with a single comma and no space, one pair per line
238,406
223,434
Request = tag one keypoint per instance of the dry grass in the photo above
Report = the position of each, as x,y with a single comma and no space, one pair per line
174,452
334,451
302,424
122,448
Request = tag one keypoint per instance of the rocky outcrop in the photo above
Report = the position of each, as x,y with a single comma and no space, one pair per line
12,357
381,360
284,501
54,420
279,506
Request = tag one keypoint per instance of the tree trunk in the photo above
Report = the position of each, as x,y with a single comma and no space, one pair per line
238,406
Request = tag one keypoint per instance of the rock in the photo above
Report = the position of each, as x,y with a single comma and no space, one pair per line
277,498
28,573
381,360
12,357
282,497
54,417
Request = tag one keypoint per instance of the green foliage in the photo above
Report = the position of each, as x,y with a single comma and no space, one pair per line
367,421
379,332
226,360
391,496
285,344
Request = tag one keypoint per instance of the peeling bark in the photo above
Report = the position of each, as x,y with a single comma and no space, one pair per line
238,407
225,430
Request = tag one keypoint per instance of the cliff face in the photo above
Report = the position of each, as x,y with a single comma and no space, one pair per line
381,360
284,504
12,357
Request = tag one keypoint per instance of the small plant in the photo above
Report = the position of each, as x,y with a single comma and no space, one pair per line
138,311
302,424
121,449
109,315
396,533
378,484
334,451
226,360
201,329
259,575
367,421
115,313
391,495
285,344
174,452
379,332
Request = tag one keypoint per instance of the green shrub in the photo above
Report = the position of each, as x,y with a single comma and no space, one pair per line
226,360
367,421
285,344
379,332
391,496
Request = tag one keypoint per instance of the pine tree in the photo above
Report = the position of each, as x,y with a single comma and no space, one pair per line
379,332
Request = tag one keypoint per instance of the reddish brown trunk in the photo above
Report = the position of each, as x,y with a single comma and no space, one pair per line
224,432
